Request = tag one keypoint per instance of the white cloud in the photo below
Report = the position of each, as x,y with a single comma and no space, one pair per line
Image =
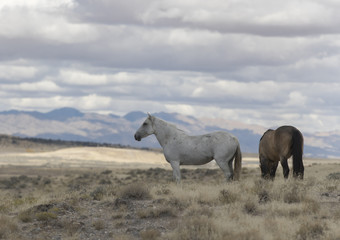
181,108
76,77
266,91
37,88
37,4
256,17
17,73
60,30
46,22
296,99
43,86
93,102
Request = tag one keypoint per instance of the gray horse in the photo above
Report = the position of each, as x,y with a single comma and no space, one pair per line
181,149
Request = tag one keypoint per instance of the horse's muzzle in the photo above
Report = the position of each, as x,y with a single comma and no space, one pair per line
137,137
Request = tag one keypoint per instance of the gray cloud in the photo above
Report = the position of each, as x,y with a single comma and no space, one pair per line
253,61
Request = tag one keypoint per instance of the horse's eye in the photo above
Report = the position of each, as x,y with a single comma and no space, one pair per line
144,124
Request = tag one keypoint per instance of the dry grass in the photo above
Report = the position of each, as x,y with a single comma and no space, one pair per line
145,204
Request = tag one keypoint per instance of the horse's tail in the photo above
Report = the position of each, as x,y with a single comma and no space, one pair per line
297,152
237,163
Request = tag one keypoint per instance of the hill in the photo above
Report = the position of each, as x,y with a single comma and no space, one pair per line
27,144
70,124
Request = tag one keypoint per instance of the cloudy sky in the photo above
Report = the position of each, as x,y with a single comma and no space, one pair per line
255,61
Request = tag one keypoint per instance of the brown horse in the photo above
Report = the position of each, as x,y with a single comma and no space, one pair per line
279,145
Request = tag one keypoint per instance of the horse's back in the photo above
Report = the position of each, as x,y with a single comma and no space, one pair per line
200,149
223,138
214,139
285,132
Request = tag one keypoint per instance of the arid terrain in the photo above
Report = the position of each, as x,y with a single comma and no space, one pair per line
114,193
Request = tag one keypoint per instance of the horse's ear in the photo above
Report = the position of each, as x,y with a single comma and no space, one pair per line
152,118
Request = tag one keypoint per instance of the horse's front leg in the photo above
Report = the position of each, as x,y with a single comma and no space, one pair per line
272,169
176,171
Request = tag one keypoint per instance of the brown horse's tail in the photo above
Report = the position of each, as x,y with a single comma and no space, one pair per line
297,152
237,163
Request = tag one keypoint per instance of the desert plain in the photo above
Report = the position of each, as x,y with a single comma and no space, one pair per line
123,193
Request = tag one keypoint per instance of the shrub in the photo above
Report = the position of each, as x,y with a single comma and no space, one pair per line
250,207
7,226
227,197
156,212
310,230
177,203
149,234
26,216
334,176
163,191
105,181
292,195
70,227
45,216
122,237
251,234
311,206
3,208
261,185
200,211
106,172
198,228
98,193
263,196
135,191
98,224
47,181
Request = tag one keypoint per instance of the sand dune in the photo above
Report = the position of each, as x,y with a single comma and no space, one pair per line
85,156
106,157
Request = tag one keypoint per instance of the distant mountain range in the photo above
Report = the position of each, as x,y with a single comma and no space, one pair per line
72,125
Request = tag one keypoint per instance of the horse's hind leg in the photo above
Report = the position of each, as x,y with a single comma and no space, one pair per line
226,165
284,164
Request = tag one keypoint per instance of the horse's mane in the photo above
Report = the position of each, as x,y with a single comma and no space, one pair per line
169,124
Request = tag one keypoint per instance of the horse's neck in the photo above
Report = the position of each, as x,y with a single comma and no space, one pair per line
165,131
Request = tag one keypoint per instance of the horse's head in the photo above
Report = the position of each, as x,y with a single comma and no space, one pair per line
268,168
264,165
146,129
